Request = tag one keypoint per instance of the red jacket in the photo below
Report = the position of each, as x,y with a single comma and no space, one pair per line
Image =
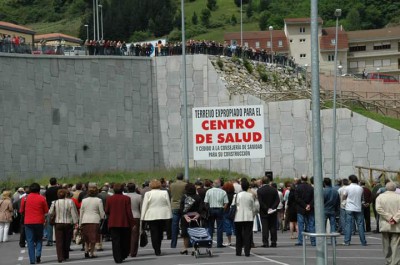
119,212
35,210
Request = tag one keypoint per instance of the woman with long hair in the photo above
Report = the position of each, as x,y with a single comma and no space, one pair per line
156,210
66,216
92,211
6,212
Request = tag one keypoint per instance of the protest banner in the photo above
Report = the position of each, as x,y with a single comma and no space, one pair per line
233,132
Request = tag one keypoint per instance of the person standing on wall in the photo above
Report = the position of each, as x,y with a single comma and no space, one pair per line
34,208
177,190
51,195
268,198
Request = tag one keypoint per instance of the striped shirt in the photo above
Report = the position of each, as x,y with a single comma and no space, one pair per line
66,212
216,198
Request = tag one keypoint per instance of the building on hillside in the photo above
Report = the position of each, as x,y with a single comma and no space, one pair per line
25,36
327,49
298,32
376,50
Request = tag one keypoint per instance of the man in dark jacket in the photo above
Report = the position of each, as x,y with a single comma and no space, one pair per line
269,201
51,195
331,203
304,195
120,223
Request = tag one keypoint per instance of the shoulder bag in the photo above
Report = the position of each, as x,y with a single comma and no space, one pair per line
232,210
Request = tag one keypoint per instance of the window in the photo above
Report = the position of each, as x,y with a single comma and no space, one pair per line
257,44
382,46
353,64
331,57
333,41
268,44
302,29
302,40
358,48
386,62
359,64
246,44
280,43
302,55
377,62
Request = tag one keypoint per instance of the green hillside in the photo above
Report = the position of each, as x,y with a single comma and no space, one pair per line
139,20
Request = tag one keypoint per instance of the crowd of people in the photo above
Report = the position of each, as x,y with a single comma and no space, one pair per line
123,213
17,44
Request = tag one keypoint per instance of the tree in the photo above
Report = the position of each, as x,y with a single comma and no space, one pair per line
233,20
263,22
353,20
195,19
212,4
249,9
264,4
237,2
205,17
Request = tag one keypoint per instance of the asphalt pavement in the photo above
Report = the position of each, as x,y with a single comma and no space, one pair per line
285,253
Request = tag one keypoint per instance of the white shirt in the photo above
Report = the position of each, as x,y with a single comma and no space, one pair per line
354,194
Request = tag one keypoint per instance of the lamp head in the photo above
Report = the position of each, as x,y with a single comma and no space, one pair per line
338,12
271,28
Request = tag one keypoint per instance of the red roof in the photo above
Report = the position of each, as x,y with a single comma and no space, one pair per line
329,34
251,37
57,36
16,28
304,20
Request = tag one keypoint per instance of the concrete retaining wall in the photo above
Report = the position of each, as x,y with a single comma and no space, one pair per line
63,116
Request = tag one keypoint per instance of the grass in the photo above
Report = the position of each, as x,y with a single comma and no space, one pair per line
66,26
386,120
125,176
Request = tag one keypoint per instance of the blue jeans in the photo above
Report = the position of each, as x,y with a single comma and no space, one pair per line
34,234
359,218
216,214
308,221
49,229
332,222
176,217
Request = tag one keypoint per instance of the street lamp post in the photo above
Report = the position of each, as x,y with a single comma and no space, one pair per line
338,13
87,39
241,23
185,117
94,20
97,19
378,69
102,23
271,28
306,66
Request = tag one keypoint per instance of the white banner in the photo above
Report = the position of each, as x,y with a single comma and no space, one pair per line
228,132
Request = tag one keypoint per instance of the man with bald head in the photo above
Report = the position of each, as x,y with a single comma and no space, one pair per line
216,199
388,207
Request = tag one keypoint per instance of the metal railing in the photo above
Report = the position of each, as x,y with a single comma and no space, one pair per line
324,236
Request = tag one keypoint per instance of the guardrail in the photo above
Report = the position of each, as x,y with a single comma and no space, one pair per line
324,236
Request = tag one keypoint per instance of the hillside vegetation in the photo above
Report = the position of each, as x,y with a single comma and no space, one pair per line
137,20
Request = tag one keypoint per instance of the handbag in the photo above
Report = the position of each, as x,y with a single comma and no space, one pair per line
78,237
103,229
232,210
143,239
53,215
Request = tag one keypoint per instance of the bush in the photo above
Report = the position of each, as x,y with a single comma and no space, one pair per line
140,36
248,66
236,60
220,64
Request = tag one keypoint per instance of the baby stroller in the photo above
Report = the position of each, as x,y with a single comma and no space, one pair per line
199,237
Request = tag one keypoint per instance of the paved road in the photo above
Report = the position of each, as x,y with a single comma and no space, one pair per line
286,253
